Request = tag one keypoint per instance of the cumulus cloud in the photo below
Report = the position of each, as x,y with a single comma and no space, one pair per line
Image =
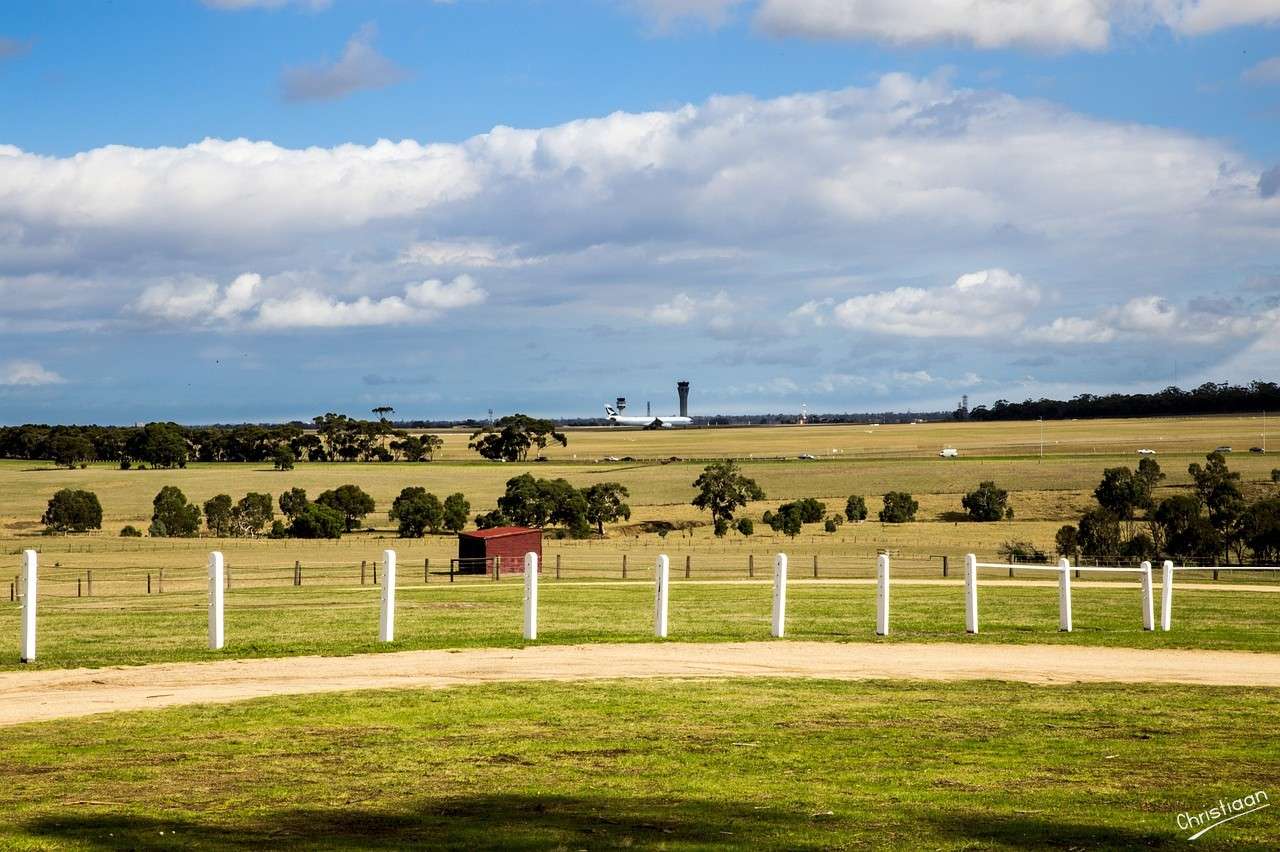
1055,25
683,309
421,303
1266,72
978,304
240,303
27,374
1155,318
359,67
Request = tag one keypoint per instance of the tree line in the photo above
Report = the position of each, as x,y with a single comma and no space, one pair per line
1209,398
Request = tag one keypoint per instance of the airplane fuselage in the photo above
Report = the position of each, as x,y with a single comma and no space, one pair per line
646,422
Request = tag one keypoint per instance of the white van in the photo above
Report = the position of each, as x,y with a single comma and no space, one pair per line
949,453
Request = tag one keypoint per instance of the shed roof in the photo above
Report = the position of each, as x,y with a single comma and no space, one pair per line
500,532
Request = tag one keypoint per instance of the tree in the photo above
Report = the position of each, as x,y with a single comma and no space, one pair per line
72,510
283,458
130,531
787,520
1021,551
1260,530
292,502
1183,528
811,510
489,520
1219,491
383,410
1149,473
70,450
832,524
534,502
350,501
456,511
317,521
159,445
217,515
1122,493
986,503
856,508
1067,542
173,515
417,511
1099,533
899,507
511,438
723,489
605,504
746,526
721,528
252,514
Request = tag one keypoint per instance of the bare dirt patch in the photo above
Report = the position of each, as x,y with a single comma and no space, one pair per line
44,695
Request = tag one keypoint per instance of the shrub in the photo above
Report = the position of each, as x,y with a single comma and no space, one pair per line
987,503
856,508
1275,474
125,464
157,530
899,507
746,526
279,530
131,531
787,520
318,521
722,527
831,525
73,510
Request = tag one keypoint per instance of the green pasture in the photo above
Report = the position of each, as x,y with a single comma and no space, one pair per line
687,765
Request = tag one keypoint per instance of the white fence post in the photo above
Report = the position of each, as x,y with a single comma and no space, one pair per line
660,578
970,593
882,595
1064,595
29,595
1166,595
387,623
779,596
531,596
1148,609
216,578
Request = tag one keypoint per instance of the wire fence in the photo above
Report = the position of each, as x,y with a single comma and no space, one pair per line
74,579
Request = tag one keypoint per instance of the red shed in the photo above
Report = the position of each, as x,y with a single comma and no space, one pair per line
476,550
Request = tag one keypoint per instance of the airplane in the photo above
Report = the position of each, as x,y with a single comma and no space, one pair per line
617,418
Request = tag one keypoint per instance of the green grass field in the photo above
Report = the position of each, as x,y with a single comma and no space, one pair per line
658,764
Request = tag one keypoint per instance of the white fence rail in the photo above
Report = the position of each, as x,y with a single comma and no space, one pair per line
1166,584
1063,569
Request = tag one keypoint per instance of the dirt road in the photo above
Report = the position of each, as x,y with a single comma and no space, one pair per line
43,695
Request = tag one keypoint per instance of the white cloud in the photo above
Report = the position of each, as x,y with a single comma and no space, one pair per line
683,309
1052,24
360,67
1146,318
241,304
1265,73
421,303
1199,17
27,374
992,302
1055,25
477,254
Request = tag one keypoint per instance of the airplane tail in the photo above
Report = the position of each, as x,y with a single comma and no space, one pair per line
610,411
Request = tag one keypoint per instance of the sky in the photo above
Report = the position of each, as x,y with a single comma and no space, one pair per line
229,210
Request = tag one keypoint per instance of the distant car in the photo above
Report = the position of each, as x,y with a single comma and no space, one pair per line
806,456
1146,452
1256,450
612,458
1223,450
949,453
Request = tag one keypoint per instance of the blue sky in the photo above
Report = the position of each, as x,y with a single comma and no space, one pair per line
262,210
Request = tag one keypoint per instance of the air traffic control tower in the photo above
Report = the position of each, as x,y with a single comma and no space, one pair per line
682,388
